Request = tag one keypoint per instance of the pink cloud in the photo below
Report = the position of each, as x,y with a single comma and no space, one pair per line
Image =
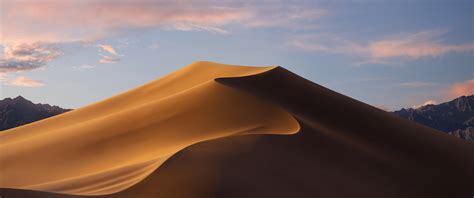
462,89
73,20
26,82
327,43
284,15
67,20
109,49
113,56
109,59
27,56
383,51
416,45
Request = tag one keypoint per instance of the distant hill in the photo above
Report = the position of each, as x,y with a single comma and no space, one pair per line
19,111
455,117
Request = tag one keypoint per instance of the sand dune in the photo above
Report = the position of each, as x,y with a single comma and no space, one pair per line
109,146
179,137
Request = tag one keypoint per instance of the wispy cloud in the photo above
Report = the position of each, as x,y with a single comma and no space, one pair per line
74,20
383,51
109,59
328,43
284,15
112,57
108,48
83,67
27,56
415,45
89,20
194,27
23,81
462,89
417,84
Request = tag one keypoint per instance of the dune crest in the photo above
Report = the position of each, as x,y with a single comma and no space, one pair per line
111,145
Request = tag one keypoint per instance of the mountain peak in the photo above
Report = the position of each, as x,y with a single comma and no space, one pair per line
19,97
464,103
19,111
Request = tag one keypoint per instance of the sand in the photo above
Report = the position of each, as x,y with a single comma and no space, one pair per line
213,130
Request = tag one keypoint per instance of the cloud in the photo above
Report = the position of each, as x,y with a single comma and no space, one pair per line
83,67
109,59
109,49
327,43
465,88
383,51
284,15
428,102
28,35
415,45
417,84
113,56
27,56
194,27
72,20
89,20
23,81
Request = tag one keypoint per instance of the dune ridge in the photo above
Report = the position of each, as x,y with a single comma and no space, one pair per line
343,148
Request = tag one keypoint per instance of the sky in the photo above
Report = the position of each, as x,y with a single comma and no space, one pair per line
390,54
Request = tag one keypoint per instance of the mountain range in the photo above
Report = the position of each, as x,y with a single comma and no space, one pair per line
455,117
20,111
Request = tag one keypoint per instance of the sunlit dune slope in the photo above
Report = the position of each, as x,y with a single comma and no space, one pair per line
343,148
110,145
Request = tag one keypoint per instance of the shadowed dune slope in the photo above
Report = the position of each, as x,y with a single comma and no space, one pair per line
344,148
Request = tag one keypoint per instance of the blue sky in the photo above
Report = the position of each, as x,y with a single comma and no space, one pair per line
390,54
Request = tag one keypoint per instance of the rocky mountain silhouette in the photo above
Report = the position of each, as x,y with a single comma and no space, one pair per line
455,117
20,111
